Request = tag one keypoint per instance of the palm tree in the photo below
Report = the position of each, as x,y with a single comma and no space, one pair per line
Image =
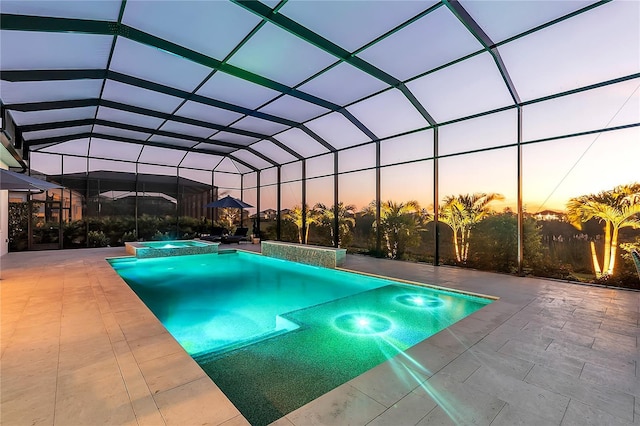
452,213
398,225
461,213
346,221
617,208
295,216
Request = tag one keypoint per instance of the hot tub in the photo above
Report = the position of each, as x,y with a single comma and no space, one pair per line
148,249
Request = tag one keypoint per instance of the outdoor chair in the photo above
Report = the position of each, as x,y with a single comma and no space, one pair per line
217,232
635,254
239,235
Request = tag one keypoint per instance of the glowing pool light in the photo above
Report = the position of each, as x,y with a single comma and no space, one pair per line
419,301
362,323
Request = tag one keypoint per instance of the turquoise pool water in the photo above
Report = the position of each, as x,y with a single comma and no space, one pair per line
273,334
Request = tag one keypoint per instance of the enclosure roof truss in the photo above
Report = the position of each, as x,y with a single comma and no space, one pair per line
261,84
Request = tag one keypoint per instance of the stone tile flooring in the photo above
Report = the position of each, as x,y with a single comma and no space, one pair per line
79,348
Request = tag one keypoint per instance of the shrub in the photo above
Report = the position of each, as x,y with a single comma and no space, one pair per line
129,236
74,234
98,239
18,226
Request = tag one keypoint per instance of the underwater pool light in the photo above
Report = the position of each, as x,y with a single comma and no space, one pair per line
419,301
362,323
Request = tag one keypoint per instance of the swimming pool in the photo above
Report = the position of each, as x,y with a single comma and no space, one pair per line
274,335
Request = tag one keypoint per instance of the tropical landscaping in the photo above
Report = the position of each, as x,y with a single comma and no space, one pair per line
598,231
591,242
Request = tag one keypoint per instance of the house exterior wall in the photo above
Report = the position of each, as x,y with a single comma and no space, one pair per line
4,219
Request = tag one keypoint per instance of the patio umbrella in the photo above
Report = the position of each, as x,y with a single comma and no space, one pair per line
230,202
18,182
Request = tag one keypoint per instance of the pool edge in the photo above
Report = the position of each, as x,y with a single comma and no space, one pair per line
433,286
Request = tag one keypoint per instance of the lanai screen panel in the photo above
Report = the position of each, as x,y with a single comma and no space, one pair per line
238,87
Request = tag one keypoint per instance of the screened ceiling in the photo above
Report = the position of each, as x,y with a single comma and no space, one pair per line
247,85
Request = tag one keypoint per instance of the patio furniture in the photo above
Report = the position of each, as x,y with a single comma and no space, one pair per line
217,232
229,202
239,235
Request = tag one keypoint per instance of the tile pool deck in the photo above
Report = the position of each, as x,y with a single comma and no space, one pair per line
79,348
